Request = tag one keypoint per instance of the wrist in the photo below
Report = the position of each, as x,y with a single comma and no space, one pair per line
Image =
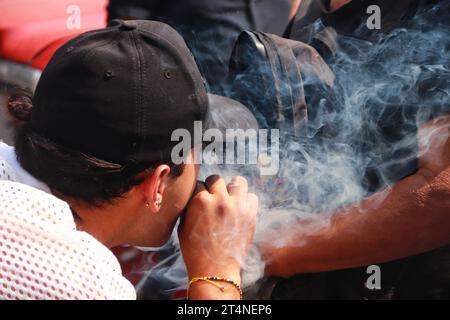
232,272
202,290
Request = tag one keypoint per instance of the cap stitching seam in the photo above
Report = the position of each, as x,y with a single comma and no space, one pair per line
136,93
143,81
140,94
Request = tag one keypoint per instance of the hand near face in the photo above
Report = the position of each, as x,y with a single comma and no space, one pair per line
218,228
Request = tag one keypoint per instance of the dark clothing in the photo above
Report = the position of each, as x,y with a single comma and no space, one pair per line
210,27
421,277
273,77
350,19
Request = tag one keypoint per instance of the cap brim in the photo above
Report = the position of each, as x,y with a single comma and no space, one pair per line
225,113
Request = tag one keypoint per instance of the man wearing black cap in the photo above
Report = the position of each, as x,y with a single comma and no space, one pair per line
99,138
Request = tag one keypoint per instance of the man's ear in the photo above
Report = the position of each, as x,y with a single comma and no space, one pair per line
154,185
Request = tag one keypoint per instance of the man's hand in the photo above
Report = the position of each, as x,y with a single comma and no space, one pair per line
217,231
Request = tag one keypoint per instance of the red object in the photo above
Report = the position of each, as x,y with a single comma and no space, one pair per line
32,30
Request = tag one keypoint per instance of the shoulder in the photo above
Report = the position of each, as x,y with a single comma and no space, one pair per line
43,256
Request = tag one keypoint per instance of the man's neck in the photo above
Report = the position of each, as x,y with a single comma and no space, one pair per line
92,220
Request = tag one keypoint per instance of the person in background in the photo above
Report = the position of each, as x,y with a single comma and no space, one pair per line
210,28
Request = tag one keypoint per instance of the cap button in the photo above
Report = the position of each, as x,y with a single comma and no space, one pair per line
128,25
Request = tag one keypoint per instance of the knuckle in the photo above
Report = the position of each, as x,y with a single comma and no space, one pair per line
213,179
202,198
224,208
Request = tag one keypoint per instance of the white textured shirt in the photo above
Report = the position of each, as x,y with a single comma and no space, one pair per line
42,255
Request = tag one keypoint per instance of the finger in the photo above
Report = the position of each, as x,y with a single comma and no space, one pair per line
252,208
253,203
252,212
238,187
216,185
199,187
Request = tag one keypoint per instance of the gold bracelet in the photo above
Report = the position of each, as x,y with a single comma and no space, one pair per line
213,280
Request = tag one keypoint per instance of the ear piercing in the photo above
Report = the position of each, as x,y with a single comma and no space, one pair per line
158,204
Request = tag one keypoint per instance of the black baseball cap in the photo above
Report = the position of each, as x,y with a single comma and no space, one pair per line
119,93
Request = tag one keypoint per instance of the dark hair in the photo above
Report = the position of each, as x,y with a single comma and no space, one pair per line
69,172
20,105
